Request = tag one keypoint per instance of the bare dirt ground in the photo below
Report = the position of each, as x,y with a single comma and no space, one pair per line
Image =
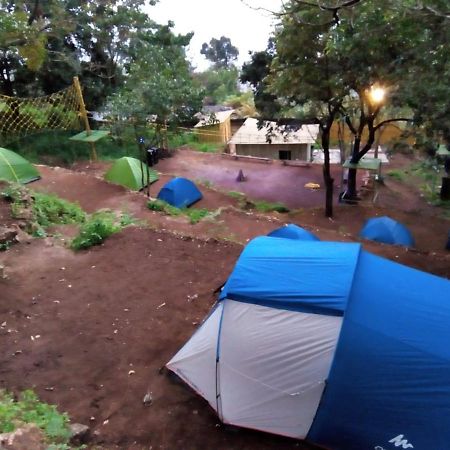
91,330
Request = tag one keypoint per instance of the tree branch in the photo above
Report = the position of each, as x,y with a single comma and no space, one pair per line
400,119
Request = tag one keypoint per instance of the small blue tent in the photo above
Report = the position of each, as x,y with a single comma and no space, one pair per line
180,192
387,230
293,231
326,342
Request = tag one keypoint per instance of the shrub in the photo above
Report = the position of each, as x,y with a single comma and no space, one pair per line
52,210
96,229
28,409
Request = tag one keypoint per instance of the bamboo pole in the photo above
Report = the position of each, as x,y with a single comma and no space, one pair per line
84,115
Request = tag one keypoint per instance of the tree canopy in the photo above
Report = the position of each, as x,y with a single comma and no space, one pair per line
221,52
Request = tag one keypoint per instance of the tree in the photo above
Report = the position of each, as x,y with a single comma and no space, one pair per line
255,73
331,56
218,84
302,73
159,85
25,30
220,52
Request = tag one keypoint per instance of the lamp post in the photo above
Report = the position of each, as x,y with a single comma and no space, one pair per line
376,96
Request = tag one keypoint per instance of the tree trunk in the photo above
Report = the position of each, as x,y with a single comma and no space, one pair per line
329,181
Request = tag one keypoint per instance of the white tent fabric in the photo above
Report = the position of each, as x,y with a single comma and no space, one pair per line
195,363
271,369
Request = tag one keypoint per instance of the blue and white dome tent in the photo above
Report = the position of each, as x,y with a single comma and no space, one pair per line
326,342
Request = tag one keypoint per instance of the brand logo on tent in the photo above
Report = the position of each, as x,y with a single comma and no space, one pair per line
400,442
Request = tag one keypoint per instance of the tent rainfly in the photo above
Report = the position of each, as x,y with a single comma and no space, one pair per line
16,169
180,192
131,173
296,316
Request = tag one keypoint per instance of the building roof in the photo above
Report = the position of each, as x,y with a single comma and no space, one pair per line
250,134
214,118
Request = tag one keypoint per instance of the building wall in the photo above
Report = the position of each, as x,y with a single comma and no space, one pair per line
217,133
298,151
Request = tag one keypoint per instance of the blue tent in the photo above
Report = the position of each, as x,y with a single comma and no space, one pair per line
296,316
387,230
293,231
180,192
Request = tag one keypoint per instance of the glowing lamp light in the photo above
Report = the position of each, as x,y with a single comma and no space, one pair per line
377,94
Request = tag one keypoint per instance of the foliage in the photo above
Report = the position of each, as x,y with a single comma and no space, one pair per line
41,210
218,84
29,409
98,227
52,210
263,206
221,52
159,87
255,73
195,215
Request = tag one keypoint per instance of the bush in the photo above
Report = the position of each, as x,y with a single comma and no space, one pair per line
28,409
96,229
52,210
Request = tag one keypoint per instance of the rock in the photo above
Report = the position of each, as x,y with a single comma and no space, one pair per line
25,438
80,433
148,399
7,235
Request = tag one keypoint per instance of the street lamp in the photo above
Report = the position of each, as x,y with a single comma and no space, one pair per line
377,94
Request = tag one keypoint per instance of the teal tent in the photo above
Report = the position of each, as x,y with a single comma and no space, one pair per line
15,168
131,173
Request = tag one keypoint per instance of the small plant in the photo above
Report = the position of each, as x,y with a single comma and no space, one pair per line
264,206
96,229
195,215
236,194
52,210
29,409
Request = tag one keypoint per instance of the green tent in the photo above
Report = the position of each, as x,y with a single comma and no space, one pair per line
15,168
127,172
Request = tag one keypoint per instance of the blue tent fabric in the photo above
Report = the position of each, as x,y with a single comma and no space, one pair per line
307,276
387,230
293,231
389,385
180,192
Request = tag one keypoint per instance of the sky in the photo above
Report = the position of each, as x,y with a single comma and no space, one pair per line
249,30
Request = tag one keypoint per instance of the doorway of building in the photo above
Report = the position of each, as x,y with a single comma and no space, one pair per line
284,155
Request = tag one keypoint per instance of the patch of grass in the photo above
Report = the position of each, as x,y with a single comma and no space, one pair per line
195,215
236,194
263,206
29,409
162,206
98,227
398,175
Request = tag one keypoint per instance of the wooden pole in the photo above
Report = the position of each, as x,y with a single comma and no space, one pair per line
84,116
